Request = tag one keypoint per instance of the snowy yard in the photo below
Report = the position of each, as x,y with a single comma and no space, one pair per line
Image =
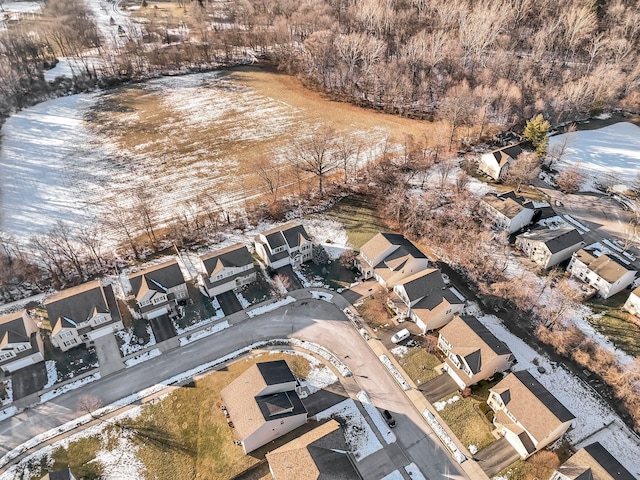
612,150
591,413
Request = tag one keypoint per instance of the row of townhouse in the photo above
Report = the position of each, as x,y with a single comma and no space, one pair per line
79,315
606,273
525,412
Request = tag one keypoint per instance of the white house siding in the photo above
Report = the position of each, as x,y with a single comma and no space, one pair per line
438,320
605,289
180,291
164,310
232,284
106,330
489,165
521,220
515,442
23,362
271,430
632,305
553,436
454,375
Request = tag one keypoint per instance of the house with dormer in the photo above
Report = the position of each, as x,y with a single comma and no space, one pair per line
496,163
227,269
390,258
81,314
548,248
527,414
592,462
288,244
20,344
158,289
472,352
425,299
507,211
263,405
321,454
608,274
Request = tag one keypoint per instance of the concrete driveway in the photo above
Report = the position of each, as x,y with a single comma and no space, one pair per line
439,387
294,281
315,321
229,303
109,356
163,328
496,457
28,380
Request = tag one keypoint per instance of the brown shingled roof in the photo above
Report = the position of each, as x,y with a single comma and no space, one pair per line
532,404
317,455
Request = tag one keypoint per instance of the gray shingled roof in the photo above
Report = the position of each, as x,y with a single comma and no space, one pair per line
423,284
79,305
160,277
12,325
555,240
234,256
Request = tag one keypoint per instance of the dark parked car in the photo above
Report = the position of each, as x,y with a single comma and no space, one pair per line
389,418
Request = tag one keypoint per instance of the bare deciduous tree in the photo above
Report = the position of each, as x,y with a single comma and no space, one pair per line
316,154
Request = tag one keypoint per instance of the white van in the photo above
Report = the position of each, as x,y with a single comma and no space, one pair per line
400,336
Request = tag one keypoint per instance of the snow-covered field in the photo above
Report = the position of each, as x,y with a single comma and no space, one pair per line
69,158
14,11
591,413
612,150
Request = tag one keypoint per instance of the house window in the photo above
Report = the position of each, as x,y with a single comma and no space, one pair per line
219,277
21,348
68,343
6,355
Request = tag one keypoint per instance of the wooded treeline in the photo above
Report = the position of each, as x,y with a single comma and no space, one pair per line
466,61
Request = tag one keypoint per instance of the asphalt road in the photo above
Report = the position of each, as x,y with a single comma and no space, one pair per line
312,320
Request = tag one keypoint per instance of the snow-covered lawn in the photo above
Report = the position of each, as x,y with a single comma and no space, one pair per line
52,373
143,357
590,411
414,472
119,461
358,433
205,332
322,228
399,351
319,376
612,150
270,307
15,11
129,346
8,388
327,297
439,406
69,386
376,416
395,475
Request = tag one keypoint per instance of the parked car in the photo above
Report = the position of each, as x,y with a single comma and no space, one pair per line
400,336
389,418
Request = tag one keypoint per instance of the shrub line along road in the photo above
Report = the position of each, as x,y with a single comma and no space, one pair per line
312,320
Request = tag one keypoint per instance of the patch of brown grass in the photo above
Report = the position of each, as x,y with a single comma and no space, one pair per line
419,365
374,311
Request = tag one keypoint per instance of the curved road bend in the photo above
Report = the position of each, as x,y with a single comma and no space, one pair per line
312,320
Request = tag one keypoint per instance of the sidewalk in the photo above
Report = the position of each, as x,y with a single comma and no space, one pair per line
471,468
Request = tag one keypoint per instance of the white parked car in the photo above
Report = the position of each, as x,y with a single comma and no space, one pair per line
400,336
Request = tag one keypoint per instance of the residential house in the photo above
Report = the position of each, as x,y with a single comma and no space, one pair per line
319,454
507,211
496,163
20,344
158,289
59,475
288,244
592,462
390,258
527,414
425,299
550,247
472,352
607,273
263,404
81,314
227,269
632,305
